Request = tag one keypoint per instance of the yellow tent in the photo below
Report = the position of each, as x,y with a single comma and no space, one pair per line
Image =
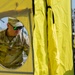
40,39
22,10
51,36
58,55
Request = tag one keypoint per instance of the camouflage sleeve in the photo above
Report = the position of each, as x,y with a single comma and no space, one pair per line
25,42
26,48
25,45
3,47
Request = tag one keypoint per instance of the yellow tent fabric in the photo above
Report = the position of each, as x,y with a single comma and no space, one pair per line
60,38
11,8
40,39
59,56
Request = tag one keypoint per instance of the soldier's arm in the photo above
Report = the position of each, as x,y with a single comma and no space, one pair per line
3,47
26,48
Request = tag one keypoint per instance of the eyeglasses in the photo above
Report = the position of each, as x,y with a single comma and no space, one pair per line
18,28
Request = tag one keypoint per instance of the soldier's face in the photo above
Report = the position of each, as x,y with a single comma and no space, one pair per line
11,30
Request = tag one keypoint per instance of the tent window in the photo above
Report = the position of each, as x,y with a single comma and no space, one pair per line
16,48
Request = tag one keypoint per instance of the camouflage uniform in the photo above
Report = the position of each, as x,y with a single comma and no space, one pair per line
11,51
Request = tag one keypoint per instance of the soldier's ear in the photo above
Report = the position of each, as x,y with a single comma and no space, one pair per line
7,24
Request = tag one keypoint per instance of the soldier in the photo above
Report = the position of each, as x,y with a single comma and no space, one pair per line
12,45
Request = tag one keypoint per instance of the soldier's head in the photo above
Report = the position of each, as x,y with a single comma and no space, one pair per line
14,26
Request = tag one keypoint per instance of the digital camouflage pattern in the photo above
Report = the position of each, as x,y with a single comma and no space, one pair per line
12,50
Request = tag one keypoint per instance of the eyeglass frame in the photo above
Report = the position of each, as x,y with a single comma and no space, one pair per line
16,27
